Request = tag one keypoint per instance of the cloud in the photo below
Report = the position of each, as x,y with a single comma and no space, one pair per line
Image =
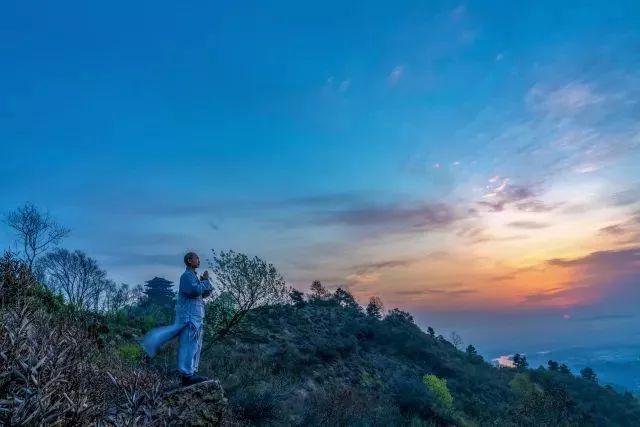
604,317
459,12
434,292
626,197
137,259
492,238
580,125
500,194
321,200
383,265
565,100
609,260
344,86
503,277
396,74
536,206
405,217
565,294
362,278
614,229
480,235
493,206
437,255
629,230
548,295
331,86
529,225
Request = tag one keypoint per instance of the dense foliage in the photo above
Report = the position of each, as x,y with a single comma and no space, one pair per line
324,361
319,360
63,365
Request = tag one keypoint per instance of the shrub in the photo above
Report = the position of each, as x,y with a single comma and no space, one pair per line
438,386
130,353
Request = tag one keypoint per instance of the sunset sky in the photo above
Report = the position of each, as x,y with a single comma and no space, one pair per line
475,163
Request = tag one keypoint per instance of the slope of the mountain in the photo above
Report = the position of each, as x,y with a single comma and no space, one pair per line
321,362
58,367
327,364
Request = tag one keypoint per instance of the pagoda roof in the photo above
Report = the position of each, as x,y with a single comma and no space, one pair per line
159,280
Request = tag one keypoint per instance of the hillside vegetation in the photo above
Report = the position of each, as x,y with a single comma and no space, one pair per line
325,362
320,360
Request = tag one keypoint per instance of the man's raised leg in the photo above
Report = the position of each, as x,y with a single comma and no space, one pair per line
157,337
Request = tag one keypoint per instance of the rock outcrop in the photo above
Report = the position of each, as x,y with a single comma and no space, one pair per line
201,404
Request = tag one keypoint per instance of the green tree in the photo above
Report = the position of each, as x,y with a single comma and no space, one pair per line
431,332
296,297
375,307
520,362
438,386
521,385
553,365
564,369
589,374
345,299
471,350
399,316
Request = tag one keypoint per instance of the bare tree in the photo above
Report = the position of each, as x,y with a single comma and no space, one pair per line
136,294
35,230
244,283
318,291
76,275
456,339
116,297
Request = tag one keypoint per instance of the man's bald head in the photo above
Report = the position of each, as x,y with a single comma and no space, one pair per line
192,260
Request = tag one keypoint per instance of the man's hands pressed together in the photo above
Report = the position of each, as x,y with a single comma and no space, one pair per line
205,275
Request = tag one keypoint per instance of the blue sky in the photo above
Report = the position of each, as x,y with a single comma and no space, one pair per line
459,159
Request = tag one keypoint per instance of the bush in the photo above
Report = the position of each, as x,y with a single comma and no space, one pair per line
438,386
130,353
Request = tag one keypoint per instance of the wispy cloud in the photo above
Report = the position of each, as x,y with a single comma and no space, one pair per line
569,99
459,12
503,277
604,317
501,193
626,197
396,74
417,216
477,234
434,292
536,206
530,225
336,86
362,278
614,229
383,265
610,260
143,259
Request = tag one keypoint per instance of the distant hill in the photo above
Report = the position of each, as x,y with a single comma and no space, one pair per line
617,365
